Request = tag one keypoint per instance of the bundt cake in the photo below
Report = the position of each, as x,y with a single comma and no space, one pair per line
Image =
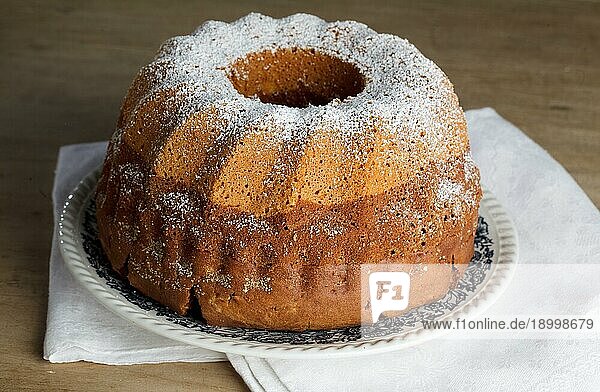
257,165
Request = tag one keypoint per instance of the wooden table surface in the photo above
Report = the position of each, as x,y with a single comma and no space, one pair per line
64,68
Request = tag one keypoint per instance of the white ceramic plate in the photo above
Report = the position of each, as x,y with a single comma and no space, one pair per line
485,279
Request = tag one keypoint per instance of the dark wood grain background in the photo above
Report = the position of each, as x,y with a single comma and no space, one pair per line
65,66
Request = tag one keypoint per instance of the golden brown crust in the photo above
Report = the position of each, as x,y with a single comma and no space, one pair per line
295,270
264,214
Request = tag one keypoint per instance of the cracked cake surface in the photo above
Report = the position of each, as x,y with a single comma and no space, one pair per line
257,165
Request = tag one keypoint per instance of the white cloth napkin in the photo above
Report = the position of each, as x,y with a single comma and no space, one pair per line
556,223
78,328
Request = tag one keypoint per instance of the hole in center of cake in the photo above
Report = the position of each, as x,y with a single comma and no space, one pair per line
295,77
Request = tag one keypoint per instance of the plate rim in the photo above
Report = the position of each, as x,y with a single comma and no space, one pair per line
75,259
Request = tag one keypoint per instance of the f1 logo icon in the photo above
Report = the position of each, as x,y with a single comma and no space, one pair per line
388,291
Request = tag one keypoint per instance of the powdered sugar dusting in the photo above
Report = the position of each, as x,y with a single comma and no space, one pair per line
155,250
184,268
219,278
471,171
250,223
262,283
177,208
132,177
327,228
448,191
406,92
